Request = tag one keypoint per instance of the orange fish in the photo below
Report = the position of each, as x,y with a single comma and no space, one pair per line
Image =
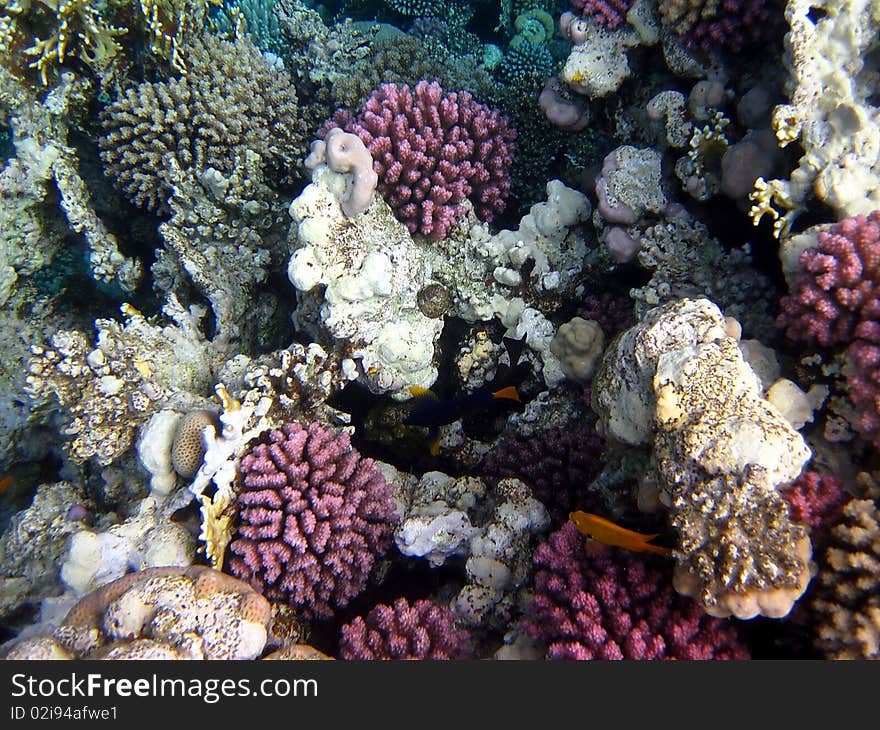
5,483
606,532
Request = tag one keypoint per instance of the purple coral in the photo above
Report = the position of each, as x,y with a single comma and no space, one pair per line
313,517
594,602
816,500
836,303
557,464
609,13
422,630
432,150
708,25
613,312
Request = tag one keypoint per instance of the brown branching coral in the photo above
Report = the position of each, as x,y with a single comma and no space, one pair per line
232,100
847,599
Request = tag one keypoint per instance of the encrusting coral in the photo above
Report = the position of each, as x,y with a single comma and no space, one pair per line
679,380
160,613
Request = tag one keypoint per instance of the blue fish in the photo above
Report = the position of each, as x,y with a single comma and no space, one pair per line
431,412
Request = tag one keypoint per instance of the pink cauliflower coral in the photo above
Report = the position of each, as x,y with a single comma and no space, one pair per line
816,500
313,516
609,13
421,630
432,150
836,303
708,25
595,602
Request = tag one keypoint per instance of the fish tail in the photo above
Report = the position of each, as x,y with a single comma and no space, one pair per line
434,445
509,392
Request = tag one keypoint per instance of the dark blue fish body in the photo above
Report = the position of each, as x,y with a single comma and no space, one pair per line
428,412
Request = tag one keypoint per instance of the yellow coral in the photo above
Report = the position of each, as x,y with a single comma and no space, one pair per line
764,196
168,23
216,530
81,32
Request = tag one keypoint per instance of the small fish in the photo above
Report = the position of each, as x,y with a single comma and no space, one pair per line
5,483
606,532
431,412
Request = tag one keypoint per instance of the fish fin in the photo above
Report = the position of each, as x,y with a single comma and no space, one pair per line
515,348
5,483
509,392
659,550
434,446
418,392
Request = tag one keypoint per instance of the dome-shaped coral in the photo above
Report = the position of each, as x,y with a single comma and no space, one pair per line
432,150
836,303
313,516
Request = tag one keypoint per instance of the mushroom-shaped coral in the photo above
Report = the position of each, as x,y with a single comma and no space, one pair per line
594,602
313,516
404,630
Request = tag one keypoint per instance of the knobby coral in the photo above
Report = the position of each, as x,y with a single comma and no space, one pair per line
231,101
594,602
847,597
313,517
836,304
433,150
404,630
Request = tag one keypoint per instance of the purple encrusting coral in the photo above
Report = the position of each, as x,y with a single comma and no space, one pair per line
595,602
557,464
836,303
313,517
613,312
421,630
609,13
432,150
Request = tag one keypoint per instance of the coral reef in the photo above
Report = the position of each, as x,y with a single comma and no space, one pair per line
160,613
432,150
421,630
444,518
32,546
312,518
232,100
827,59
836,301
679,380
715,24
816,500
318,318
359,281
610,13
558,464
594,602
